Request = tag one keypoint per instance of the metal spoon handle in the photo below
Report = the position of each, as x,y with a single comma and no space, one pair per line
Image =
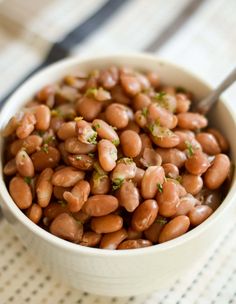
204,105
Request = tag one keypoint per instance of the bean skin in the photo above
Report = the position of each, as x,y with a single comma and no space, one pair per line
59,191
77,196
99,205
46,158
174,156
191,121
26,125
197,163
168,199
109,77
106,224
100,183
167,140
217,173
107,154
134,244
119,96
10,167
112,240
44,187
199,214
171,170
105,131
208,142
30,144
154,79
128,196
184,136
88,108
130,84
85,132
153,232
24,164
222,141
163,116
10,127
182,103
132,126
66,227
133,234
153,175
131,143
175,228
74,146
141,101
54,209
144,216
34,213
67,130
192,183
82,162
117,115
213,199
140,119
186,204
55,123
20,192
67,177
137,179
43,117
90,239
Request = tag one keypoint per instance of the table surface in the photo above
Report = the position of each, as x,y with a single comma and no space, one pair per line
199,35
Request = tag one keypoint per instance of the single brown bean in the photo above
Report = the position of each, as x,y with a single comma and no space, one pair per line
133,234
165,139
10,167
47,157
82,161
67,177
77,196
107,154
105,131
208,142
217,173
171,170
117,115
88,108
44,187
54,209
182,103
64,153
186,204
154,79
132,126
199,214
131,143
119,96
45,92
67,130
24,164
43,117
153,232
74,146
100,183
140,119
174,156
191,121
10,127
58,192
222,141
107,223
56,122
212,199
99,205
130,84
67,228
137,179
20,192
197,163
109,77
128,196
134,244
185,136
85,132
168,198
163,116
26,125
192,183
34,213
153,176
141,101
30,144
144,81
144,215
90,239
175,228
112,240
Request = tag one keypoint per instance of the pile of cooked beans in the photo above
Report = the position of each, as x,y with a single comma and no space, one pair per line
114,159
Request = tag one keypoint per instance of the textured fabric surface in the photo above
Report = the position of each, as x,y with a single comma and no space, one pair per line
200,37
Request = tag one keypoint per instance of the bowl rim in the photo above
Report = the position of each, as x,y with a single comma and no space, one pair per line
76,248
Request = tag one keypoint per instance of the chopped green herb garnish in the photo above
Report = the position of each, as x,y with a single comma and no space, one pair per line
116,142
161,220
180,90
78,157
116,183
179,179
91,92
160,187
144,112
40,133
62,203
114,128
56,113
45,148
190,149
160,96
28,180
97,126
93,138
49,139
91,155
78,118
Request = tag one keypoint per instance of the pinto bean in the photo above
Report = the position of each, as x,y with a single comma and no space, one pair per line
186,204
100,183
153,176
107,223
132,126
153,232
30,144
168,198
67,177
54,209
185,136
199,214
112,240
77,196
141,101
59,191
133,234
90,239
82,161
217,173
10,127
56,122
67,130
174,156
192,183
44,187
47,157
85,132
154,79
74,146
117,115
24,164
171,170
165,138
107,154
109,77
197,163
222,141
45,92
43,117
105,131
213,199
26,125
144,215
99,205
128,196
150,158
34,213
130,84
119,96
182,103
209,143
88,108
140,119
191,121
10,167
137,179
131,143
20,192
67,228
134,244
163,116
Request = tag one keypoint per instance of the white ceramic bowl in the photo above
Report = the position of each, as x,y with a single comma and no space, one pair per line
128,272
